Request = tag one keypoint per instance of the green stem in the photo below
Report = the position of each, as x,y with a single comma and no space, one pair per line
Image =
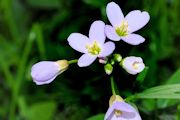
73,61
113,86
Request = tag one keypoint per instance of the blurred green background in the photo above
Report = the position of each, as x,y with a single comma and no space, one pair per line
36,30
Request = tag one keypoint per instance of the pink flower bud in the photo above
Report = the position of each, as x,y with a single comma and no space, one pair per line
46,71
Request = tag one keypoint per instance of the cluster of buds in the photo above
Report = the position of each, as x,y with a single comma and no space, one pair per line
133,65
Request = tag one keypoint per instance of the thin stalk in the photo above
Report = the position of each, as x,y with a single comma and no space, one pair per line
73,61
113,86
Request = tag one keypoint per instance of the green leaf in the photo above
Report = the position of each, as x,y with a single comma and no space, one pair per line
97,117
175,78
43,111
141,76
161,92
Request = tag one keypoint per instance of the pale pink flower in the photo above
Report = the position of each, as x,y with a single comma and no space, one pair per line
93,46
123,27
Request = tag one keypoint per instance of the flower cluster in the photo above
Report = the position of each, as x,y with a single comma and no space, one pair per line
94,46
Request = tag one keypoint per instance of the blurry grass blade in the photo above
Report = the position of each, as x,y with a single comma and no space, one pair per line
7,6
37,32
7,73
97,117
161,92
178,113
141,76
5,65
22,106
21,68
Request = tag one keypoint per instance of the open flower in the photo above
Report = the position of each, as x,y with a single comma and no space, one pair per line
133,65
120,110
93,46
123,27
46,71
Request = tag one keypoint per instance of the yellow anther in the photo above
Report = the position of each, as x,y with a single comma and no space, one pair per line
113,99
122,30
135,65
117,113
93,48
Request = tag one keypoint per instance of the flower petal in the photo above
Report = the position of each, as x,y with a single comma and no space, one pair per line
133,39
45,72
114,13
136,20
107,49
45,82
127,116
86,60
122,106
96,32
78,42
111,33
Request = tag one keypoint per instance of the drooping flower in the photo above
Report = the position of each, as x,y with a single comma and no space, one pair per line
45,72
133,65
123,27
120,110
92,47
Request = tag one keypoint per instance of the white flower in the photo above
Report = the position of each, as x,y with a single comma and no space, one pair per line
133,65
120,110
124,27
93,46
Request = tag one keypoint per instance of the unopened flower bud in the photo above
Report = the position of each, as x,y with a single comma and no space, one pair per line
112,62
133,65
117,57
45,72
108,69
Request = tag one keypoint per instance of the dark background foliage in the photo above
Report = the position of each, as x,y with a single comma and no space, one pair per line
36,30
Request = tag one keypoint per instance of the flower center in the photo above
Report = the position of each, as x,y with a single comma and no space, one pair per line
93,48
122,30
136,65
117,113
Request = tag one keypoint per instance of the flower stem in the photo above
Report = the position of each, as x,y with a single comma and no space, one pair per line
73,61
113,86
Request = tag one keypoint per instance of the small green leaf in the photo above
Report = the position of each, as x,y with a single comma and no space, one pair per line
97,117
161,92
141,76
